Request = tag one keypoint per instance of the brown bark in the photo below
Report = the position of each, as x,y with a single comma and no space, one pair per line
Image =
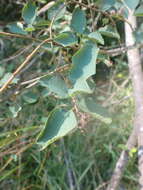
136,75
137,82
121,163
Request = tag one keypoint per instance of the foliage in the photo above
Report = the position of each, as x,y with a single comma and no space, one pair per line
54,93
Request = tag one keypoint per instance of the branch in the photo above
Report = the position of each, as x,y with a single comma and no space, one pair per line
23,65
34,81
135,69
46,7
136,137
120,50
19,36
121,163
92,7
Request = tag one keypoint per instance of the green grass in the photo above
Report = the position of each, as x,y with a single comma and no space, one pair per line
88,157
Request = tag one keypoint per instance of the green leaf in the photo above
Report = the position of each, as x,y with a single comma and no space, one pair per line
42,1
122,147
57,11
56,85
97,37
101,57
8,173
45,81
139,11
41,23
66,39
86,31
30,97
60,122
84,63
82,86
15,110
132,152
17,28
78,22
45,93
30,28
88,105
132,4
118,5
29,12
48,47
10,133
6,77
109,32
84,66
104,59
107,4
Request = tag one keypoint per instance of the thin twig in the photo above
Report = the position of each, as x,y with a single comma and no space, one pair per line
92,7
31,62
59,69
120,50
19,36
18,153
23,65
46,7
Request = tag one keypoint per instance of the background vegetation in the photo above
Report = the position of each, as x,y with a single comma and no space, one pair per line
82,160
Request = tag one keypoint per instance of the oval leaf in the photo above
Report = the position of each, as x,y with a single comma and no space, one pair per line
109,32
29,12
97,37
6,77
88,105
30,97
17,28
84,65
56,85
66,39
45,93
78,22
105,5
60,122
57,11
84,62
15,109
82,86
30,28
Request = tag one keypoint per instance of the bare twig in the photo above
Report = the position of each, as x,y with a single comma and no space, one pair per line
46,7
31,62
121,163
92,7
19,36
118,51
23,65
18,153
59,69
